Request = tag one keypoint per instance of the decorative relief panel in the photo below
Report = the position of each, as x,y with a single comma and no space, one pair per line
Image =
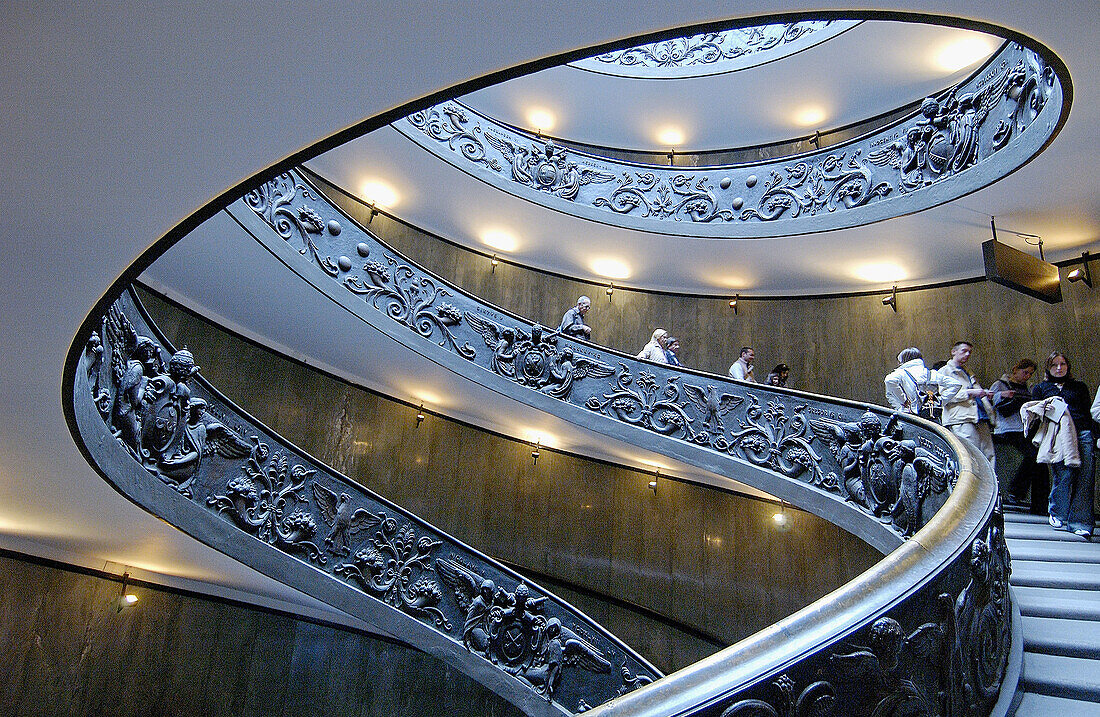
154,405
715,52
899,473
1005,113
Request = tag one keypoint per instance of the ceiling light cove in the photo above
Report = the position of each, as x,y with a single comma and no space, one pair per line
965,51
882,272
670,136
809,116
610,268
500,240
541,120
379,193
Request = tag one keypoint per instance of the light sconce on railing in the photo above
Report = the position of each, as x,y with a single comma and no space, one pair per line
671,157
420,415
493,263
734,302
653,483
815,140
1082,273
535,453
125,599
373,210
892,299
609,291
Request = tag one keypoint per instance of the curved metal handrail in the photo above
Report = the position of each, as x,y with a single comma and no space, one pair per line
170,442
884,477
957,142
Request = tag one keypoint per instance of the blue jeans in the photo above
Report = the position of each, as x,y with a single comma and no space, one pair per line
1071,487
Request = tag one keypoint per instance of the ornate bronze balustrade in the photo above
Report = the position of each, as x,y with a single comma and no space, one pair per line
959,141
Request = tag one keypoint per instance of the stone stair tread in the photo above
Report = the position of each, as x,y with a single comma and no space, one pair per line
1075,552
1036,705
1059,636
1053,602
1039,531
1069,677
1051,574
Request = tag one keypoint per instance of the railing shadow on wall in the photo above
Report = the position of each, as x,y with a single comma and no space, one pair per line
926,629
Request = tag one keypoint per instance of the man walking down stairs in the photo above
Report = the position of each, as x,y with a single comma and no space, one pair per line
1056,580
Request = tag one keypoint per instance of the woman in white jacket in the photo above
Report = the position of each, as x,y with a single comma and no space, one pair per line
911,384
655,350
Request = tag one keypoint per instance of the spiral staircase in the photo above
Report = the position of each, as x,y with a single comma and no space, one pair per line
926,630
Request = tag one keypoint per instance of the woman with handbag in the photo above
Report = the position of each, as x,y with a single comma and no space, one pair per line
1010,393
916,389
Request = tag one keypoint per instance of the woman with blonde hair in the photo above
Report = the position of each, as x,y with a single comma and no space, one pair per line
655,350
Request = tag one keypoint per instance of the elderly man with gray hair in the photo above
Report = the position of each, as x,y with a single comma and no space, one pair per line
572,324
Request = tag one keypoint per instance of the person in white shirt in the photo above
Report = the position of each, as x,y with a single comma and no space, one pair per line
908,387
969,413
655,350
742,367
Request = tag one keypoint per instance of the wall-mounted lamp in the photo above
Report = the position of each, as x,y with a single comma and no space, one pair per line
892,299
535,453
816,139
653,483
733,303
125,599
420,415
373,210
780,519
1082,273
493,263
609,291
671,157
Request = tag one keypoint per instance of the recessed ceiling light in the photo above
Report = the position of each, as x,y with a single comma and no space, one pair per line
810,116
499,240
882,272
378,193
671,137
964,52
541,120
610,268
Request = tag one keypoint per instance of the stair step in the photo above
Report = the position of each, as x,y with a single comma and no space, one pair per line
1052,602
1057,636
1040,531
1044,574
1069,677
1036,705
1082,552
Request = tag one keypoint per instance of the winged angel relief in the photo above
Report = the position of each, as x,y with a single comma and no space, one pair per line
547,168
531,358
509,630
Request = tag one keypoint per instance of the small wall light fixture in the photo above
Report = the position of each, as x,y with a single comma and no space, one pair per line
125,599
493,263
609,291
671,157
535,453
1082,273
653,483
780,519
420,415
373,210
892,299
816,139
733,303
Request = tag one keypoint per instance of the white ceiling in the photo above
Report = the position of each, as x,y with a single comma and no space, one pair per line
122,119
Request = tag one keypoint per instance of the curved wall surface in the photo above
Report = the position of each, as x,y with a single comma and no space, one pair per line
709,559
1003,325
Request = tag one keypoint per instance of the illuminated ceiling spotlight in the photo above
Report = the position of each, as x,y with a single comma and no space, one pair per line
964,52
500,240
809,116
781,520
1082,273
882,272
378,196
671,137
892,299
734,302
610,268
541,119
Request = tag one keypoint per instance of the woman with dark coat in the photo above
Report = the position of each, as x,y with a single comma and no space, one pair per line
1071,487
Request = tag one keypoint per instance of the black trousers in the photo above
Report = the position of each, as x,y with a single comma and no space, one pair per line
1029,477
